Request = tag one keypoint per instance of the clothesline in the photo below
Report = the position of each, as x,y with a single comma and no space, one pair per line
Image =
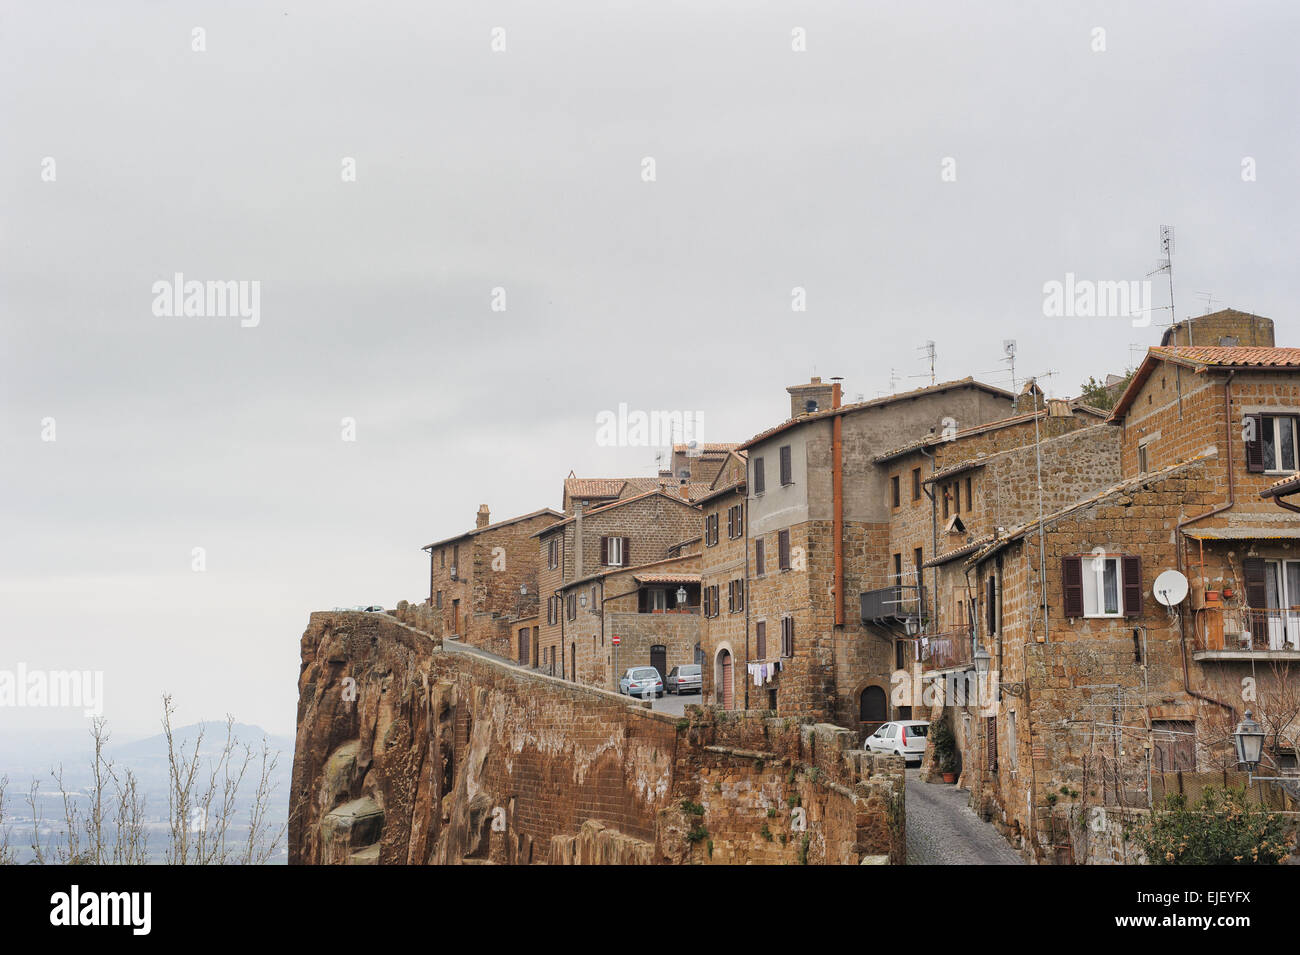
762,673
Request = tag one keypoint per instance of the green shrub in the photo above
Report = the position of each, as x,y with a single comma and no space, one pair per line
1221,829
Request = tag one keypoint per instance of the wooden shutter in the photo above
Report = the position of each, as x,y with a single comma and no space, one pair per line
731,521
1255,449
783,550
740,595
993,743
731,596
760,640
990,605
1132,567
760,479
706,601
758,557
604,552
1256,591
627,552
786,477
1072,586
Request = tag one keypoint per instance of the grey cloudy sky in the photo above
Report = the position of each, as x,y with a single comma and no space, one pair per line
522,170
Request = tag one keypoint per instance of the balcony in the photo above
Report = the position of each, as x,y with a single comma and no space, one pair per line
1228,633
947,651
892,604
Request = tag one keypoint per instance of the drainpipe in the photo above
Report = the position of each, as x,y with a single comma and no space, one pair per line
934,543
837,497
1178,547
744,504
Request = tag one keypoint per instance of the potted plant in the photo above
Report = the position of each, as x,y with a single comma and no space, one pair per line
944,744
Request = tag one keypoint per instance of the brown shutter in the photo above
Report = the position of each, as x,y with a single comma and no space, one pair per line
758,557
1255,449
731,522
785,464
993,743
990,606
740,593
604,552
760,640
760,479
1256,591
783,550
1132,586
1072,586
627,552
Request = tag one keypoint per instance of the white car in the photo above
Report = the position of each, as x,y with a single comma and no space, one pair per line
904,738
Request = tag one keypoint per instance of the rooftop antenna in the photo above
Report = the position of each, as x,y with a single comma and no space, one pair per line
893,380
1210,300
1166,264
928,348
1009,349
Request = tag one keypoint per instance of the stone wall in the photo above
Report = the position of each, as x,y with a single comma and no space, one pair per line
412,752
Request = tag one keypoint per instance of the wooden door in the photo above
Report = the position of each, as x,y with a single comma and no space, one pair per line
728,693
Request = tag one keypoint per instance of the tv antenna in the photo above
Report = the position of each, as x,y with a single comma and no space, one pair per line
1210,300
1009,349
928,348
893,380
1166,264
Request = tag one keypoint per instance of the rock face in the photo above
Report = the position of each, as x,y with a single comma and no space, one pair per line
411,753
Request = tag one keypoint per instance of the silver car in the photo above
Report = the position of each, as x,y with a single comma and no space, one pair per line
685,679
642,682
906,738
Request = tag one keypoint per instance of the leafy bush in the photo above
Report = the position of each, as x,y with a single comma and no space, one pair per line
944,745
1221,829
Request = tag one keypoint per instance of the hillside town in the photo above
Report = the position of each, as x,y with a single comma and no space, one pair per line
995,563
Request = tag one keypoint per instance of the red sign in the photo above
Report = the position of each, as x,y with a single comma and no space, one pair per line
616,640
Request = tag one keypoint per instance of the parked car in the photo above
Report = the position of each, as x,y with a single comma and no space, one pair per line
685,679
642,682
904,738
373,608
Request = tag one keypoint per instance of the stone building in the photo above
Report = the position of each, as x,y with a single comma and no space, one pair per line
816,537
1098,692
727,651
625,533
483,579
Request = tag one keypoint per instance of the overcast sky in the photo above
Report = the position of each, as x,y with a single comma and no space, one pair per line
821,169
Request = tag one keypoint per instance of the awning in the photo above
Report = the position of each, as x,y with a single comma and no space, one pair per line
1244,533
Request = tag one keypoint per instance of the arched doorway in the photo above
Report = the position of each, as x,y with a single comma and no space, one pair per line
873,709
722,680
659,659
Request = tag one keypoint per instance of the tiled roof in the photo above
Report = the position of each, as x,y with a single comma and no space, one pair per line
717,447
491,527
961,551
594,487
616,504
666,578
1204,358
967,382
1240,356
1282,486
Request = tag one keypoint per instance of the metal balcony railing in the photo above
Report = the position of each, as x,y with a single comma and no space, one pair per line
1256,631
948,650
893,603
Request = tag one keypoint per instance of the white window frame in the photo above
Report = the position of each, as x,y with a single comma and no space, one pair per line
614,551
1277,466
1094,570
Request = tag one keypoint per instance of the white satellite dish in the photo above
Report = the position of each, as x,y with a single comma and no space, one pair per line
1170,588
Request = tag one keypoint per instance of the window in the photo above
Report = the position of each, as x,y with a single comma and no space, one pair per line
571,606
760,478
710,529
894,498
455,561
550,610
969,496
1174,746
946,502
593,605
711,605
614,551
783,550
442,556
898,570
1273,585
760,640
955,490
438,601
1270,443
916,484
735,521
787,636
900,655
918,558
1142,459
553,554
735,596
1102,585
759,563
787,477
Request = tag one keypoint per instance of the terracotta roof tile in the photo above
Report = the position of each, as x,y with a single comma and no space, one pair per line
1240,356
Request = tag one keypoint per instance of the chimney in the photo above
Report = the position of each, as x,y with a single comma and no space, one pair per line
814,396
483,517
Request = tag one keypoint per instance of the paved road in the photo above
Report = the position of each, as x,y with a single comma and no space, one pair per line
941,830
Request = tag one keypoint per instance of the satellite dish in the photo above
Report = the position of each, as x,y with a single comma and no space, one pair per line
1170,588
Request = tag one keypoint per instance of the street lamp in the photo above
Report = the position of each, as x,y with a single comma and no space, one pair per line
982,660
1248,737
681,596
